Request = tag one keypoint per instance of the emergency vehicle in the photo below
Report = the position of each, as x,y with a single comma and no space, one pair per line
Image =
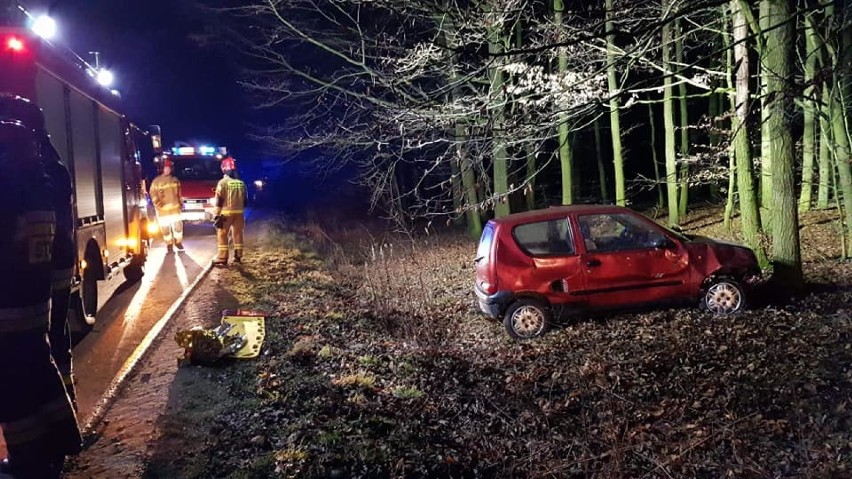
101,150
199,170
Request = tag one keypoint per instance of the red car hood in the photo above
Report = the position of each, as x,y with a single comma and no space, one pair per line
710,255
196,189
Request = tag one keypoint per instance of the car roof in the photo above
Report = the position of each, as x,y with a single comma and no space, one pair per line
555,212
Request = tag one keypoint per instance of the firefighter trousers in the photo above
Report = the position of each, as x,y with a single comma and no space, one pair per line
233,224
171,226
60,340
39,424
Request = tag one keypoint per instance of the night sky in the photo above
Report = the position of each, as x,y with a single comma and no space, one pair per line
168,66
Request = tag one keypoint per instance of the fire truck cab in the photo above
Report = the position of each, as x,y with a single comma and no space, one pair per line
199,170
101,149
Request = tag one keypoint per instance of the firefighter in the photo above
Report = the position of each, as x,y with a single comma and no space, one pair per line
165,194
230,206
64,254
37,418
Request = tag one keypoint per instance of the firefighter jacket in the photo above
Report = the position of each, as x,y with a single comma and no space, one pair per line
230,196
165,194
37,419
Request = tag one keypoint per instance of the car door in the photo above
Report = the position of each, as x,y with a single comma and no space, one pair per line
556,272
630,260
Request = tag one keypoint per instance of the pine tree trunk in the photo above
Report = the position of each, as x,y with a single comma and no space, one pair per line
809,117
684,127
565,153
601,166
778,58
739,124
615,122
669,125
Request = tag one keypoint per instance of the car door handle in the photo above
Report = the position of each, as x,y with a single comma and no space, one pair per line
593,262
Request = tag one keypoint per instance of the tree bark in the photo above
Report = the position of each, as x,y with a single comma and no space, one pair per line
809,134
565,152
765,133
669,124
499,155
661,200
778,59
615,121
684,127
739,124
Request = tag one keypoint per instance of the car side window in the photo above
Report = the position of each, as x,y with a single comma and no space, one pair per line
545,238
617,232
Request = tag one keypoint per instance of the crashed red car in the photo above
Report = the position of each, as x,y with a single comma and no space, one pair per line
533,266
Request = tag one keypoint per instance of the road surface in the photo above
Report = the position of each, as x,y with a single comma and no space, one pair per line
126,317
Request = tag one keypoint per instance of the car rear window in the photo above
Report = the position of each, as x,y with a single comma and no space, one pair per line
545,238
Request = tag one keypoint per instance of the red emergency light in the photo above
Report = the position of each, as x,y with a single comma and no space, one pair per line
15,44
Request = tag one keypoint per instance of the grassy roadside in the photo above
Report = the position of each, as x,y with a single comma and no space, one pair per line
376,365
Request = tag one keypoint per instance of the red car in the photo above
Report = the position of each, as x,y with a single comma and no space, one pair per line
530,266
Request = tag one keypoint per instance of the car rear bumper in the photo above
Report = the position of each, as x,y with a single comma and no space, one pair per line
492,304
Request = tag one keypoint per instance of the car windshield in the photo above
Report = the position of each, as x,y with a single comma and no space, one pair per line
197,168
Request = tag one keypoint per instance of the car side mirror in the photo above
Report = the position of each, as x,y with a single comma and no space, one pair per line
663,243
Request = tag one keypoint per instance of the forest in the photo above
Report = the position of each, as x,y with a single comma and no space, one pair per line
462,110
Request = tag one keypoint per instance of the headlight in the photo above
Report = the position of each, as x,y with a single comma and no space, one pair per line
258,183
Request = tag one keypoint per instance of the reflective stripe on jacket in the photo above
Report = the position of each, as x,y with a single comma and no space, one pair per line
230,196
165,194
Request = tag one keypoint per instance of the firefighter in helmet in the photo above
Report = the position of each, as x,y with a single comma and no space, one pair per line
36,415
64,254
165,194
230,207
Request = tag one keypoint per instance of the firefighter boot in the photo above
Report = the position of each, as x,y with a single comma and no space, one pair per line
179,246
170,249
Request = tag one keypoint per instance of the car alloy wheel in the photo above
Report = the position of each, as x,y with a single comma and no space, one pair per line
724,297
526,319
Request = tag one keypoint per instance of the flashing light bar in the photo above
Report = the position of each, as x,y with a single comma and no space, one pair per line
201,150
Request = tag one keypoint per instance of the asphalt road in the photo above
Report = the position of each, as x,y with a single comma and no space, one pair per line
127,315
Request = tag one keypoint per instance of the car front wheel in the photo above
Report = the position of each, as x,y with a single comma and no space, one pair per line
527,318
724,296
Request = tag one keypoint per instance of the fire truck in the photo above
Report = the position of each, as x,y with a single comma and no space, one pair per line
199,170
102,150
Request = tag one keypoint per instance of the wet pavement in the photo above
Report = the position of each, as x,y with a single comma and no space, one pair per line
129,313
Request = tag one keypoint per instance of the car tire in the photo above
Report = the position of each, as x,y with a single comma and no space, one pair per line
527,318
723,296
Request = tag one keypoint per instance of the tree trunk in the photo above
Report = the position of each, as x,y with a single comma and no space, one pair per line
684,126
839,104
778,58
809,117
732,154
615,122
739,124
565,153
765,133
669,124
661,200
826,161
601,166
496,95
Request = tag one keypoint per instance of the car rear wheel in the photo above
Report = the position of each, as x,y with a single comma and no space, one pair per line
724,296
527,318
